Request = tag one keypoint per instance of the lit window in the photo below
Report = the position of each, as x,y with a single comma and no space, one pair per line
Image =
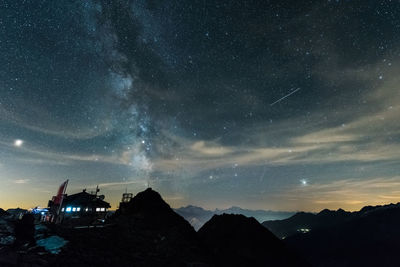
103,209
62,209
86,209
68,209
73,209
97,209
78,209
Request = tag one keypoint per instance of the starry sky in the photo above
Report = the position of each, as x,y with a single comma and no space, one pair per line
281,105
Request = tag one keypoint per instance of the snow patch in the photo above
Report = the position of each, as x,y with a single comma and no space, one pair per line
52,244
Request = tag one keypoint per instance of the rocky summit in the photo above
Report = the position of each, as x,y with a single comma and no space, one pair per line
236,240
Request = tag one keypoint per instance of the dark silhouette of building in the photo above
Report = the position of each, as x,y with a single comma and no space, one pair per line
84,207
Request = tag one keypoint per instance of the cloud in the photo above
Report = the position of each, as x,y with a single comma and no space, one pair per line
359,133
42,155
209,149
118,184
364,137
326,136
21,181
37,119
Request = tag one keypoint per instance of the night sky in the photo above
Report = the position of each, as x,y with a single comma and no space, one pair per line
281,105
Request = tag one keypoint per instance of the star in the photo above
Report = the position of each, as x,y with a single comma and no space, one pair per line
126,91
18,142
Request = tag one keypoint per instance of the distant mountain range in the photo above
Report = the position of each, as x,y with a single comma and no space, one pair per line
303,222
198,216
369,237
147,232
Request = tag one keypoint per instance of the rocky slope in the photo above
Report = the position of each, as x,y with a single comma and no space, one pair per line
236,240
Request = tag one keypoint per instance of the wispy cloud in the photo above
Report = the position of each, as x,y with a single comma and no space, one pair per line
21,181
209,149
119,184
366,135
48,124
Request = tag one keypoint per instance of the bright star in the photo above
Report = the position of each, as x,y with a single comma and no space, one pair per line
18,142
303,182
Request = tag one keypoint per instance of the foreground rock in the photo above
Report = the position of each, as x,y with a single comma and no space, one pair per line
3,213
236,240
25,230
7,236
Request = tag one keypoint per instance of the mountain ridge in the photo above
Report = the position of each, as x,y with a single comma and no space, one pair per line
198,216
369,238
237,240
307,221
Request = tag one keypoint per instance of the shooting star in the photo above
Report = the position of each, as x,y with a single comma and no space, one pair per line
280,99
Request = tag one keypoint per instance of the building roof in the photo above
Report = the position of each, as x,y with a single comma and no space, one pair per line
87,199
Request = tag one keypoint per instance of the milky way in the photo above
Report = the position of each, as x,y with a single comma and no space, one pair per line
201,101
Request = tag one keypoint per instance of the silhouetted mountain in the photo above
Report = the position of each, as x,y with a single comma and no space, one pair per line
259,215
197,216
303,222
236,240
370,238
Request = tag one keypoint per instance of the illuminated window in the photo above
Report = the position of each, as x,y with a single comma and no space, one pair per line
62,209
86,209
68,209
103,209
73,209
97,209
78,209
